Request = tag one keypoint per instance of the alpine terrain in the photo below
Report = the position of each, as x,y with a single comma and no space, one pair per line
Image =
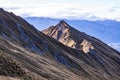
57,53
107,31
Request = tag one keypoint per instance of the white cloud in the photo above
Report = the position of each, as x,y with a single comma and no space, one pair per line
68,11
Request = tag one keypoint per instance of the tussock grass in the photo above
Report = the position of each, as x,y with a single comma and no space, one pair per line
11,68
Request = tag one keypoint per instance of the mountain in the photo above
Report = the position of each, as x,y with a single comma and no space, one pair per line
28,54
69,36
75,39
107,28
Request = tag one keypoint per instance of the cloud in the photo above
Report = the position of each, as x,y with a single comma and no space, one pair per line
116,7
68,11
11,8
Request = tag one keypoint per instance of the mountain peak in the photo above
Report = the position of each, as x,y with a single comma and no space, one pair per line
69,36
62,21
62,24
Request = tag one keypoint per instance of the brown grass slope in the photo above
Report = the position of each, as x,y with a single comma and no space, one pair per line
41,57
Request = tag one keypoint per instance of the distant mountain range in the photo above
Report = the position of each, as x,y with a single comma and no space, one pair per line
106,30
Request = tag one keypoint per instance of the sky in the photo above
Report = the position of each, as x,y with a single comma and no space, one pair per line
68,9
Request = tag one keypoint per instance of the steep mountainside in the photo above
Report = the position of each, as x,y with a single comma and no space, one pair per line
28,54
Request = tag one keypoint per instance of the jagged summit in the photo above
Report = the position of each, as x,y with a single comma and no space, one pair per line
62,25
62,22
69,36
60,32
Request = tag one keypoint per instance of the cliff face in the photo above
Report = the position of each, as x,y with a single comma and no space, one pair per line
28,54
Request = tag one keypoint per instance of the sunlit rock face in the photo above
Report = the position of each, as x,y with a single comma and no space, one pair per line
86,46
61,33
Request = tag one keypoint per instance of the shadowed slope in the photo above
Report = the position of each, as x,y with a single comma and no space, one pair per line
44,58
